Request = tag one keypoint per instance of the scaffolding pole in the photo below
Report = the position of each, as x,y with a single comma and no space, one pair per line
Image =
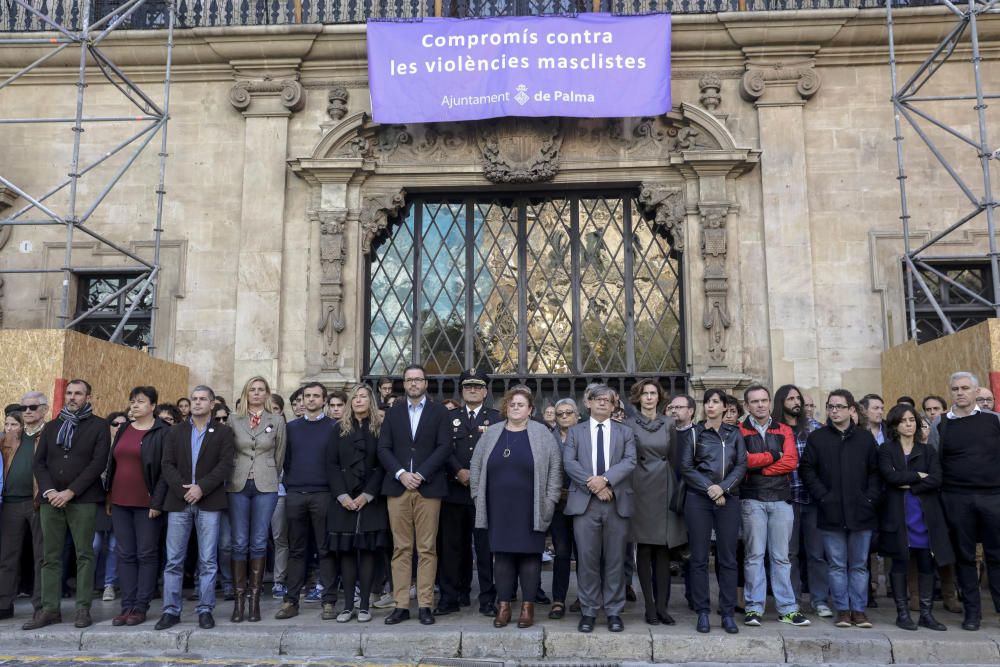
155,115
982,199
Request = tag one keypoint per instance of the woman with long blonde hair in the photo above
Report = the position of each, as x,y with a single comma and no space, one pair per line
358,520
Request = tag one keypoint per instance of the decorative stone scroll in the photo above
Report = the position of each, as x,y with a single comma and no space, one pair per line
376,210
716,318
520,150
332,255
803,76
666,203
290,93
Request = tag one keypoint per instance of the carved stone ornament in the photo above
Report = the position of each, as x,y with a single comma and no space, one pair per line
290,92
337,98
666,203
332,255
520,150
803,76
713,252
711,87
376,210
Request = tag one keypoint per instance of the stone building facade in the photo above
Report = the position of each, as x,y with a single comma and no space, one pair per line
773,176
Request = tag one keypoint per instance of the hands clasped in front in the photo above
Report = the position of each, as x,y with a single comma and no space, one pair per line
599,487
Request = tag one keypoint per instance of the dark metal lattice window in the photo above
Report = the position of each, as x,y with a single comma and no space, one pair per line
102,323
962,310
542,286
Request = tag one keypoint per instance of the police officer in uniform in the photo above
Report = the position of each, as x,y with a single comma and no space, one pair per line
455,530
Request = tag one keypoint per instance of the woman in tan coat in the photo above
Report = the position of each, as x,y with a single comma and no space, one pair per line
253,490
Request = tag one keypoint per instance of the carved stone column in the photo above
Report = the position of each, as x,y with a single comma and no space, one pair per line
780,91
332,255
714,246
267,96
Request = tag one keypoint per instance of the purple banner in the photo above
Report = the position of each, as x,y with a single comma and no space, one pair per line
590,66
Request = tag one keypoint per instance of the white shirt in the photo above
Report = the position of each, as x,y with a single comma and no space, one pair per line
593,443
951,413
415,412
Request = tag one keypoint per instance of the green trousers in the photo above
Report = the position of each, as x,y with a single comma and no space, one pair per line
79,518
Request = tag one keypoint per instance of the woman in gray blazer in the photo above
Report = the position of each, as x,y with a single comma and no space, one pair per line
516,480
253,490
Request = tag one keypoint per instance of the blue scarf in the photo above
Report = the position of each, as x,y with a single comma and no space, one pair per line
70,420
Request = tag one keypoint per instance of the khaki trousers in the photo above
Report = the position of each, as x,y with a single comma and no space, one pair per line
414,523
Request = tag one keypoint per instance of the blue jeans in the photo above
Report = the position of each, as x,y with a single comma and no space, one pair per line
179,526
106,555
225,551
767,527
847,565
250,513
807,536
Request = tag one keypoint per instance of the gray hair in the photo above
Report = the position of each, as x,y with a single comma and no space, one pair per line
203,387
600,390
568,401
963,374
35,394
589,390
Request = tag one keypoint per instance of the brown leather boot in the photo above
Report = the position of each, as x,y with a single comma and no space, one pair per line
256,582
239,568
503,615
527,617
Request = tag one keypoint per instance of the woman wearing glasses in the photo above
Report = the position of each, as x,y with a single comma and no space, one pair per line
561,528
712,469
135,501
252,490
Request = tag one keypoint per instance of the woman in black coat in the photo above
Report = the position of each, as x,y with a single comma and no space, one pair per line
358,521
911,519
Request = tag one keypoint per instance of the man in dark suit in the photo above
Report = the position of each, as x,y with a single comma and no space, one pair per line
413,447
458,514
197,460
71,455
599,458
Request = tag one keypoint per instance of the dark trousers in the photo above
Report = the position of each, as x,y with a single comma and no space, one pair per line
653,563
305,512
923,560
16,519
561,530
510,568
138,547
702,515
456,536
974,517
357,568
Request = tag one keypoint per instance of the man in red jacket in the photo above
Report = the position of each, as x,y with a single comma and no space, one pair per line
765,503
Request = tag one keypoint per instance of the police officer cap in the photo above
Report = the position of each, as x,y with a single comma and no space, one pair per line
473,377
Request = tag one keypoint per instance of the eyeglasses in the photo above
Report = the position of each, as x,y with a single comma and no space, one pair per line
32,408
118,424
678,407
221,419
169,420
414,380
830,406
565,413
983,400
600,399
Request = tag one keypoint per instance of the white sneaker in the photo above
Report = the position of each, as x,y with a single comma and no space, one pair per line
364,616
345,616
109,594
387,601
823,611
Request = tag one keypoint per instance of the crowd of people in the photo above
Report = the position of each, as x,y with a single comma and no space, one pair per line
387,499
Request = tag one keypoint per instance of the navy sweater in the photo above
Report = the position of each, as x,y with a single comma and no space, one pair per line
305,455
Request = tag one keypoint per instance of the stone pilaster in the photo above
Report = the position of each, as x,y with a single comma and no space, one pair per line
7,199
780,91
267,95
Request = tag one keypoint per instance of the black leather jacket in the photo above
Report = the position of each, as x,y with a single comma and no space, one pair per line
716,457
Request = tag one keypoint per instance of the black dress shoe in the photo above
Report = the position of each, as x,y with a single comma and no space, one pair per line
615,624
703,624
630,594
729,625
652,619
488,609
586,624
205,620
167,621
444,610
426,616
666,618
397,616
463,600
970,623
542,598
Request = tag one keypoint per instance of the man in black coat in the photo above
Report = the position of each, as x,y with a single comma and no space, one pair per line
72,451
413,446
840,470
458,514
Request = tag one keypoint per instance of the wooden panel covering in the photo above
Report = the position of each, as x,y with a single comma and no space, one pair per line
36,359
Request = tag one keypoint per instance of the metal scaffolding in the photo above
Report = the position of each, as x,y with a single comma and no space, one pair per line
152,120
982,202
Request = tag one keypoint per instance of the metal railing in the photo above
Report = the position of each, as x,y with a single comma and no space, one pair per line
202,13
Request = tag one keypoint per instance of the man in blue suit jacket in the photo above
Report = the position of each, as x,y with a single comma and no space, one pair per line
413,447
599,458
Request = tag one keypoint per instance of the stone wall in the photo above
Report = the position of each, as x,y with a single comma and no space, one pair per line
791,182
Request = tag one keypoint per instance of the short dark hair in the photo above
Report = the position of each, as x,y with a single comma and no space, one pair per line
384,380
733,402
278,401
296,395
688,398
896,415
86,384
337,393
755,387
933,397
183,398
170,408
415,367
311,385
908,400
115,415
844,394
147,391
222,407
868,398
709,393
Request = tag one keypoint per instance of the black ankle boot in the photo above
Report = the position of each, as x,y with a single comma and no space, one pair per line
903,620
926,588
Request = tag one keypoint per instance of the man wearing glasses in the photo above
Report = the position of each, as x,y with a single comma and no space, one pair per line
19,512
840,470
413,447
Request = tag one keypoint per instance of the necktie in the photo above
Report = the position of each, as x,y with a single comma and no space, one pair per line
472,415
601,465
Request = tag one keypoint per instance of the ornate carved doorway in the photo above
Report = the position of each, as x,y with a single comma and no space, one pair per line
557,289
